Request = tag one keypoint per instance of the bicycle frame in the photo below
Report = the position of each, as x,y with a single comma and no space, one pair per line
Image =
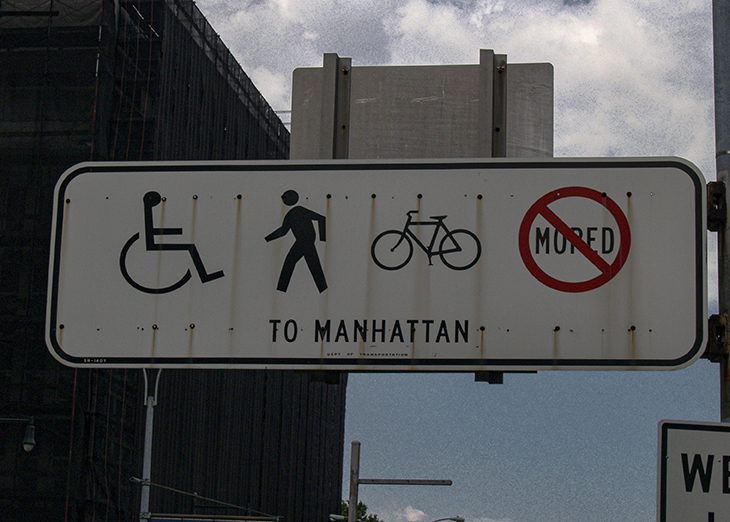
438,224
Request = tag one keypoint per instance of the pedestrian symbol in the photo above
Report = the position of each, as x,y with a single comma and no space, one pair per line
299,221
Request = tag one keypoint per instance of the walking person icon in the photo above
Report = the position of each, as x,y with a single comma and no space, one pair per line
299,220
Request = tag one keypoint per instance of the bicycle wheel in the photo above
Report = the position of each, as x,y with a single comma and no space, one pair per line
460,249
391,250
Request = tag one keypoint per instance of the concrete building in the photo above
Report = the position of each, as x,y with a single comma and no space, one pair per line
121,81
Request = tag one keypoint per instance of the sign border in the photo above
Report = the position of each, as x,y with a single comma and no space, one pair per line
367,364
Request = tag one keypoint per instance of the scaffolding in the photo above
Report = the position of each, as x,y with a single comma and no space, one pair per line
136,80
127,80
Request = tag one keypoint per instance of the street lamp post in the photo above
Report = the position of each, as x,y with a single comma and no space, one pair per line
356,481
341,518
29,439
150,403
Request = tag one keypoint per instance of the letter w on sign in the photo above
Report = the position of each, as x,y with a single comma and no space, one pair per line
705,472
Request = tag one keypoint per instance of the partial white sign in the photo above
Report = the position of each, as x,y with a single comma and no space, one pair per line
694,472
418,265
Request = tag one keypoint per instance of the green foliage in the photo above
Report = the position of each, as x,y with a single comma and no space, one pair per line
362,512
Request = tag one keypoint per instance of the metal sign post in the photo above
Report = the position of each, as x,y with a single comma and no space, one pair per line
721,37
356,481
150,403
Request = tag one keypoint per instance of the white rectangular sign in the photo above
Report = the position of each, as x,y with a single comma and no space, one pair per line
694,472
413,265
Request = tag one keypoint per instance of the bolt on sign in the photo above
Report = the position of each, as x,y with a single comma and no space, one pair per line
458,265
693,471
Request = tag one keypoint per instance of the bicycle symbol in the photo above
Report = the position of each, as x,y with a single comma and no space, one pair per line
152,199
458,249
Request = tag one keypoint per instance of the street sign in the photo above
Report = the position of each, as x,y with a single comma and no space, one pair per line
458,265
694,472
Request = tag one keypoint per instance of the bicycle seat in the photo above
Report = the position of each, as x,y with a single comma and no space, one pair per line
440,218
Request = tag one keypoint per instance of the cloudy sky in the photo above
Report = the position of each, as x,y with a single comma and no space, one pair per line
632,78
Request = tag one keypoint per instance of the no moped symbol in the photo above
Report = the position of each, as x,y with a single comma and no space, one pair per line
577,239
150,200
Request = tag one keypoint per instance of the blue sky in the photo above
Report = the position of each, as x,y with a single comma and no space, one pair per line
632,78
552,446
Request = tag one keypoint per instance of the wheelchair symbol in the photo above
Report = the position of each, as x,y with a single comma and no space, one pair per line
152,199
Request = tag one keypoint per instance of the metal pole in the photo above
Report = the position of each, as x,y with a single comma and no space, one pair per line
499,107
721,40
354,480
150,402
335,116
485,129
404,482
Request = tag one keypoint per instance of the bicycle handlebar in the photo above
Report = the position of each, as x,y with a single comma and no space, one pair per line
437,218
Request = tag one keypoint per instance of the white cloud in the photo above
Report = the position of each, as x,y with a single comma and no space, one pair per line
275,86
411,514
593,47
414,515
485,8
407,514
423,32
281,35
626,72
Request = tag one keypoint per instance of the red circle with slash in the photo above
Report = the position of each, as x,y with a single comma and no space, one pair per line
608,271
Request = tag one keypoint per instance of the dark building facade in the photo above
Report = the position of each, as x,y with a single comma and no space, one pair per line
124,80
